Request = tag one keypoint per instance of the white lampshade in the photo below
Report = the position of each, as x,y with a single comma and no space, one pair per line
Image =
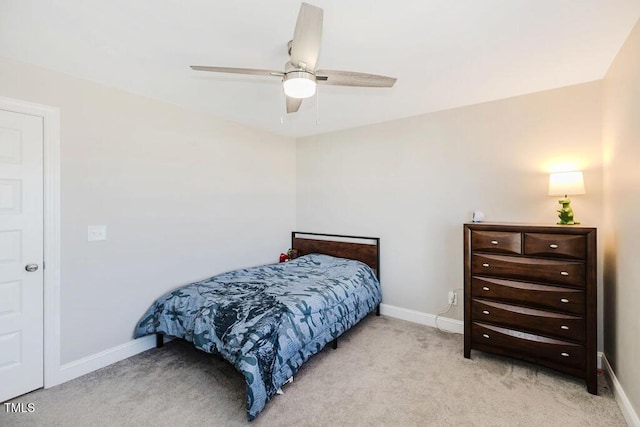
299,84
566,184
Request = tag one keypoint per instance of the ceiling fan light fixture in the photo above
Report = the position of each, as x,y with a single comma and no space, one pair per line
300,73
299,84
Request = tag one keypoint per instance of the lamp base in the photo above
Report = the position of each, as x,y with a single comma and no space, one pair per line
566,213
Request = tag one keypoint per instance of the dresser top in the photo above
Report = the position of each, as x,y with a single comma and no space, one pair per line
520,226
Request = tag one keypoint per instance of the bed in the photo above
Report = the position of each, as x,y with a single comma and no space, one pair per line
268,320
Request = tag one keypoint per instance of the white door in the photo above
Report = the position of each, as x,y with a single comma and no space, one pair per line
21,254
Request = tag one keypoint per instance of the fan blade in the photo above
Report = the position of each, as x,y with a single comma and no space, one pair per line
293,104
305,47
350,78
231,70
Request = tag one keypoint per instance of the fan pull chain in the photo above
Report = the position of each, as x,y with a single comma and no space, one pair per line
317,106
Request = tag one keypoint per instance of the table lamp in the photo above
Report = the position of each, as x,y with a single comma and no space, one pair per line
565,184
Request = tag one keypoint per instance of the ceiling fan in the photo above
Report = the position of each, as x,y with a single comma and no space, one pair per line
300,76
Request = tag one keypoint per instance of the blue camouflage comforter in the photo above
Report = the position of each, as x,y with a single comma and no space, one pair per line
267,321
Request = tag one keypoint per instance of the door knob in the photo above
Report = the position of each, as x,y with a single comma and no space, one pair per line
31,267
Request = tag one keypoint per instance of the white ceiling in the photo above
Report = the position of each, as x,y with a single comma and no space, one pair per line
445,53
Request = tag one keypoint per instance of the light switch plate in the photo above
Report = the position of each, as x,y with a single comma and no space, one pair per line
96,232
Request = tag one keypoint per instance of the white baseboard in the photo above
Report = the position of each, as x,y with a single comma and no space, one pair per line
600,355
77,368
88,364
80,367
444,323
628,412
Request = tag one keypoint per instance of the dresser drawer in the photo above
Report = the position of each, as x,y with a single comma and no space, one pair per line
551,297
559,325
555,245
533,269
529,345
496,241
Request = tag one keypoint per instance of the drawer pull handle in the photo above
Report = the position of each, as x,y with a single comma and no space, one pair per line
485,264
564,273
553,246
564,300
565,327
485,311
485,288
563,354
486,336
494,242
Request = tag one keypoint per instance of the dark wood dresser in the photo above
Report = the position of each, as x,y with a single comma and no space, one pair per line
530,293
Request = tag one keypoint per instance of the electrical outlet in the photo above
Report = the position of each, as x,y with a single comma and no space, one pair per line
453,298
96,232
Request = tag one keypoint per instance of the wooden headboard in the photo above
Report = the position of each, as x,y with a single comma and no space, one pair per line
318,243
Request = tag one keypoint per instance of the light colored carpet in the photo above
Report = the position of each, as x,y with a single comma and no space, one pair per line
385,372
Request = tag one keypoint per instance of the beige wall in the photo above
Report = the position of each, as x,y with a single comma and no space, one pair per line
413,182
184,195
621,145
